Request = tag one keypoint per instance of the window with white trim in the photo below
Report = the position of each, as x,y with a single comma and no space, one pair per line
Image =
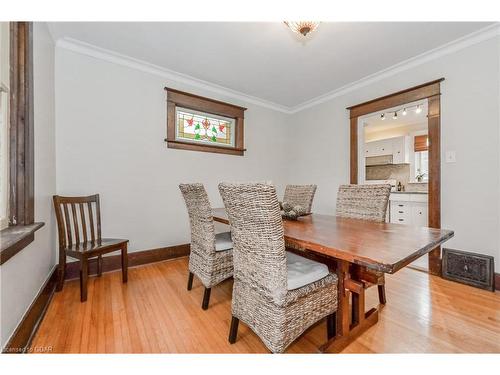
422,166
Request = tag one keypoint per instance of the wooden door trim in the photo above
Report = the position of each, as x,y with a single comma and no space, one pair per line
432,92
21,200
409,95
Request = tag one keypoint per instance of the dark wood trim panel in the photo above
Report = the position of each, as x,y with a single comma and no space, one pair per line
21,339
21,199
21,144
15,238
204,148
434,197
199,103
202,103
354,150
411,94
137,258
497,281
430,91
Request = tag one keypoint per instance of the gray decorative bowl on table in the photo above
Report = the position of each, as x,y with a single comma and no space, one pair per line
290,212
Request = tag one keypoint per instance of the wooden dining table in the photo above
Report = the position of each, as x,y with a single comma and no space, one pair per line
355,248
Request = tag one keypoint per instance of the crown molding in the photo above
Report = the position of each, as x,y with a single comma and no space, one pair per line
131,62
91,50
443,50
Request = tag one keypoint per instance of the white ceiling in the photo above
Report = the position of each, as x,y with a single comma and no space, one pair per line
266,60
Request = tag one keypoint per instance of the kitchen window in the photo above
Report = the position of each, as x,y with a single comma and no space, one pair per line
422,166
421,148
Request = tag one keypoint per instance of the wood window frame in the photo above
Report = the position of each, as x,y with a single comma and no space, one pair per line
432,92
176,98
22,226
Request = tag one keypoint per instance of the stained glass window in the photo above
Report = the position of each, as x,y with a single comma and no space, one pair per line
199,127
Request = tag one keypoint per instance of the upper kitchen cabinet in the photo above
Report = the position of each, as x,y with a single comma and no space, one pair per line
398,148
401,150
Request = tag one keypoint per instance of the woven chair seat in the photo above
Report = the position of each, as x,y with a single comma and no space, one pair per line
223,241
327,284
302,271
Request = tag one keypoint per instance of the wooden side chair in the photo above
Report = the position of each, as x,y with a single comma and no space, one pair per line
276,293
366,202
211,256
301,195
79,229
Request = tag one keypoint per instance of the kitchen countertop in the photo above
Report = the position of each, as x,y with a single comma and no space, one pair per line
409,192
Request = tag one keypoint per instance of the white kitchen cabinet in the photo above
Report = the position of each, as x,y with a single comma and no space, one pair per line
419,214
378,148
370,149
384,147
398,147
401,150
409,209
401,212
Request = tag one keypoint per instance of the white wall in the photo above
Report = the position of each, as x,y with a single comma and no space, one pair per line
23,275
470,190
111,125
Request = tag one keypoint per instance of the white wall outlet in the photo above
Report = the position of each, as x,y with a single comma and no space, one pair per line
450,157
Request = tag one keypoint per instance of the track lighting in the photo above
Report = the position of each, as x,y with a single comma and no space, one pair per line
403,111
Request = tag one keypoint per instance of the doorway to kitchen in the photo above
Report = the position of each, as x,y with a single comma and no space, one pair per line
393,149
396,139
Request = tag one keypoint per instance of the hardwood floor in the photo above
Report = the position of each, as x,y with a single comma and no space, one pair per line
154,313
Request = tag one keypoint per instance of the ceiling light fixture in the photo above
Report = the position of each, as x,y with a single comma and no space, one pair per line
403,111
302,27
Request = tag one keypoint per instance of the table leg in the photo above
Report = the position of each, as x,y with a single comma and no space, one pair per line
342,299
361,320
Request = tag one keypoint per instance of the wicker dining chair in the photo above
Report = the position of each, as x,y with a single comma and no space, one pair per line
366,202
271,294
211,256
301,195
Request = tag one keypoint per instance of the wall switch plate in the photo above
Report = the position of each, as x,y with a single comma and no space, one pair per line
450,157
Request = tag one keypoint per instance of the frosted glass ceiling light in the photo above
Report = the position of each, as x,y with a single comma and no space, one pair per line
302,27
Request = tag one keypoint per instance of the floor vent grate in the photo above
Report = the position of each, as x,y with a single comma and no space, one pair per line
469,268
